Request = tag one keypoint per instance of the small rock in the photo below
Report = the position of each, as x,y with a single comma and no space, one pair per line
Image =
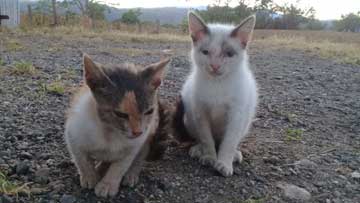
22,167
306,163
294,192
273,160
42,175
26,155
6,199
67,199
2,161
355,175
38,191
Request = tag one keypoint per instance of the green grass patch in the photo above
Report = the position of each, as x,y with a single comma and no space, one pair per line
2,62
294,134
23,68
13,45
261,200
56,87
9,188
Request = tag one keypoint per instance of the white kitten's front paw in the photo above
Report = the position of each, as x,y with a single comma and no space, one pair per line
238,157
197,151
105,189
225,169
89,181
130,179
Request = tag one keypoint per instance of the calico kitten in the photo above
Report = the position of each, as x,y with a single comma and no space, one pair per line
219,98
112,122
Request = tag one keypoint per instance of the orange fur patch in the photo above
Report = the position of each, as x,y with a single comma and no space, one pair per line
129,106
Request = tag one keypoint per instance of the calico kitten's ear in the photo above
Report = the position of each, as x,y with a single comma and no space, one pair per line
244,30
197,28
92,71
155,73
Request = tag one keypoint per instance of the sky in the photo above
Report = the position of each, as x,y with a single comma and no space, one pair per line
326,9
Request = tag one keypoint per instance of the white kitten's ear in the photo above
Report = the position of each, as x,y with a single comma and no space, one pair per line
156,72
197,27
244,30
92,70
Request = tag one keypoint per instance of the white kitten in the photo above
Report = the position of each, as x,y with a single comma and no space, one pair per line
220,95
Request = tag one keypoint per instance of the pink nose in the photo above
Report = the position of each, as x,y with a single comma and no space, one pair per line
136,133
215,67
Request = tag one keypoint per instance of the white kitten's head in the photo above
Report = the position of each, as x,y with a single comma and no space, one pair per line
218,50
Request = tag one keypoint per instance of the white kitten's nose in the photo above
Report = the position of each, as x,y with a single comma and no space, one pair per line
215,67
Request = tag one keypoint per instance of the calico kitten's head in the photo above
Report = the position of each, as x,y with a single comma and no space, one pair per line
219,49
125,94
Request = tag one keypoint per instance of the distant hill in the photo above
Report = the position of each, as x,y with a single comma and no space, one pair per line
166,15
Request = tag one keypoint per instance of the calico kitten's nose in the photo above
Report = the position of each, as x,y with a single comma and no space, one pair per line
136,133
215,67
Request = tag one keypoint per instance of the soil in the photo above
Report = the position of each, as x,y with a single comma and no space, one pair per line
306,132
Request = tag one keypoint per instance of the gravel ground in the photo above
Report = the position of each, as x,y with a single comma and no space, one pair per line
304,145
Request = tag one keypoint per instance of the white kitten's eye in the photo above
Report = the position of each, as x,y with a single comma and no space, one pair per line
205,52
229,54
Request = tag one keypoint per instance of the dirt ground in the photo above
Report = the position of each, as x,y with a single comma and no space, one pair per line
306,132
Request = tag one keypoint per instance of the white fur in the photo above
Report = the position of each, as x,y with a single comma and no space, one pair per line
219,109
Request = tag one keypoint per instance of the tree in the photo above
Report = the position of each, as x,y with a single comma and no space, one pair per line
90,8
349,22
131,16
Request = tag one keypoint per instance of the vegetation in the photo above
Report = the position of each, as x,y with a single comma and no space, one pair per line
131,16
23,68
9,188
13,45
349,22
57,88
294,134
269,15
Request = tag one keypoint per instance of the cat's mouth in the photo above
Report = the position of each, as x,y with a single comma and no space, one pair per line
215,73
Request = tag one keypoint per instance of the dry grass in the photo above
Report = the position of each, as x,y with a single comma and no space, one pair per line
23,68
78,32
13,45
344,47
9,188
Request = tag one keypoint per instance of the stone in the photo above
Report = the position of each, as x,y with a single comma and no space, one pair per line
355,175
22,167
5,199
25,155
306,163
42,175
68,199
294,192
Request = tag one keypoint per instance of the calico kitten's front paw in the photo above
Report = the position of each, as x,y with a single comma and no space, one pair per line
225,169
197,151
105,189
130,179
89,181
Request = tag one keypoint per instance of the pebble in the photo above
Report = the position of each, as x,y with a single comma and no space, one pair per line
355,175
306,163
26,155
22,167
5,199
67,199
42,175
294,192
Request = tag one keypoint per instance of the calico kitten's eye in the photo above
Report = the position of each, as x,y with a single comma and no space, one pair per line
205,52
150,111
229,53
121,115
